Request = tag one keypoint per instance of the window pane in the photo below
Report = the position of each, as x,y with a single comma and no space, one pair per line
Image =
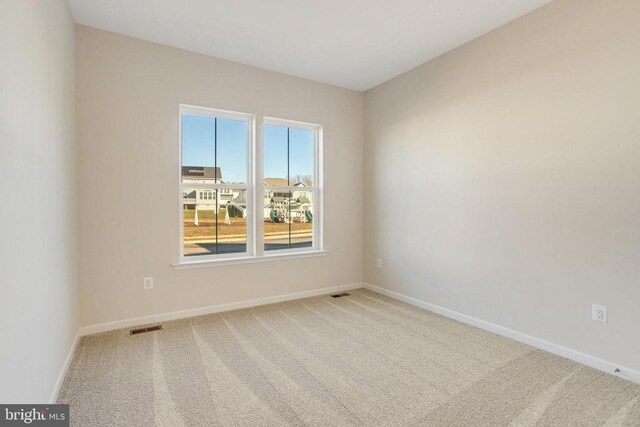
275,155
232,221
288,219
198,147
232,150
199,222
276,215
301,209
301,156
214,221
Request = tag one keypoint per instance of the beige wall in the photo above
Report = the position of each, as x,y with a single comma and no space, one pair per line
128,95
38,284
502,180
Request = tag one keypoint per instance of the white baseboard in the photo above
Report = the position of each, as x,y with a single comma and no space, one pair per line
65,368
576,356
163,317
571,354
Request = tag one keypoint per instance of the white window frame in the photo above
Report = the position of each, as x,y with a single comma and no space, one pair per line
249,119
315,190
255,192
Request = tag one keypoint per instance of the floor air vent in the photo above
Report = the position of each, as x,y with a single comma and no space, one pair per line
145,329
344,294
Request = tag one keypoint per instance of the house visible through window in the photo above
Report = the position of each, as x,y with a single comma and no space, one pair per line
224,203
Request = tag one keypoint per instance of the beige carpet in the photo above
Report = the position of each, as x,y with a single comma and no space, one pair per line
364,360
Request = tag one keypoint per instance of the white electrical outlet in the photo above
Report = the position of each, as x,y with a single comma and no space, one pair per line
599,313
379,262
148,283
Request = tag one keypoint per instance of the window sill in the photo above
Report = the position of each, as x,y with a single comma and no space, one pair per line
246,259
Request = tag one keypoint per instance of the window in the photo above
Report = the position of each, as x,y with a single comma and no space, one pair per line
226,209
215,172
290,170
206,195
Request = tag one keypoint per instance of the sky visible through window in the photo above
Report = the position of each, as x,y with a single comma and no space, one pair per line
198,148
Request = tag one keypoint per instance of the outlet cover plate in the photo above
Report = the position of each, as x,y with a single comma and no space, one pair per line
599,313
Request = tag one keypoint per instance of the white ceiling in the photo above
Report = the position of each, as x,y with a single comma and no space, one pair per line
355,44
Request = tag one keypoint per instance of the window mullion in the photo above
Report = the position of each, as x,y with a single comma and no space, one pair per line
289,179
215,176
258,189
